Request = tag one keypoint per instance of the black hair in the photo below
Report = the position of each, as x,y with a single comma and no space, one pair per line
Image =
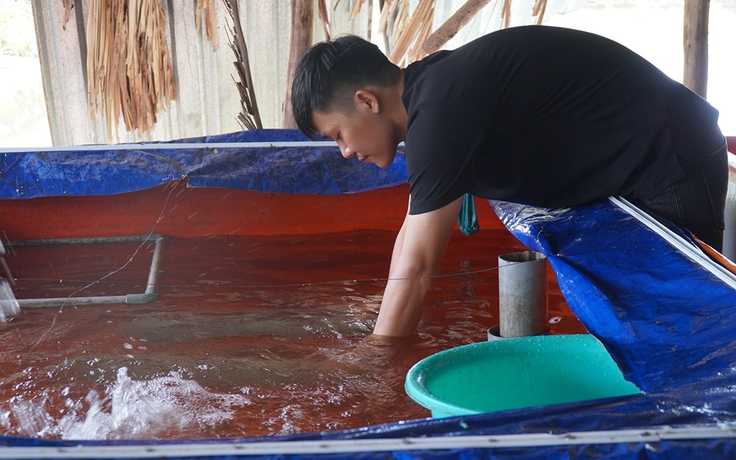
330,72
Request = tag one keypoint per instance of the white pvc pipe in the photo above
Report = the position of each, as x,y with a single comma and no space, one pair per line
150,295
53,302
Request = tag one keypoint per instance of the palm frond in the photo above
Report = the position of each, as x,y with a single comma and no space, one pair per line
129,71
324,17
207,8
412,35
249,117
68,5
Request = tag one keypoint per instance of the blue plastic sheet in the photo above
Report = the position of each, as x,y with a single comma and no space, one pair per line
666,320
84,171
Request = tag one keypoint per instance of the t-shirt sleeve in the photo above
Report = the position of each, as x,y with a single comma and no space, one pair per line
442,142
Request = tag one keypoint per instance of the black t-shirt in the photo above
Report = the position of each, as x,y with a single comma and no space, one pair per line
548,117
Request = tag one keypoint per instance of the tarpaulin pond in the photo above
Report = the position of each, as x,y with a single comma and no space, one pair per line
211,297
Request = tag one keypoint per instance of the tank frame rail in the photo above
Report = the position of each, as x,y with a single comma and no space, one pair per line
150,294
412,447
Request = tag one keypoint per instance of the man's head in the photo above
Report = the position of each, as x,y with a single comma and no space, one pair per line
329,74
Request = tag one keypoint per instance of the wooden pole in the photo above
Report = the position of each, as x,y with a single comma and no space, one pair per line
696,46
452,26
302,20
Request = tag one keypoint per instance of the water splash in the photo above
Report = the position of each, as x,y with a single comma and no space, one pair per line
161,407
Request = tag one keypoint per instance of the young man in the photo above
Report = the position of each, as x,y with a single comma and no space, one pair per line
535,115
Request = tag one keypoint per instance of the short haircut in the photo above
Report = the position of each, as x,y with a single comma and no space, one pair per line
330,72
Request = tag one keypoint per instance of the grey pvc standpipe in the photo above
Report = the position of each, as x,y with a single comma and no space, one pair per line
522,294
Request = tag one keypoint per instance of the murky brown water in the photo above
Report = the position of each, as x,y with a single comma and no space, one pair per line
250,336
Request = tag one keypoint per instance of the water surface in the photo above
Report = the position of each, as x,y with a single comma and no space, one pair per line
250,336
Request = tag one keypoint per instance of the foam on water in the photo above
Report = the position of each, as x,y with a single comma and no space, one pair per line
129,409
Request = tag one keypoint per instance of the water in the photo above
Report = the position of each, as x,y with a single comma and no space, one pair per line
250,336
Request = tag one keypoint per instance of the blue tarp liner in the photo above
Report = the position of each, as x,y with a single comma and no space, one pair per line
667,319
93,170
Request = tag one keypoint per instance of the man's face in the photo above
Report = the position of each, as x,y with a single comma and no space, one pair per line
362,133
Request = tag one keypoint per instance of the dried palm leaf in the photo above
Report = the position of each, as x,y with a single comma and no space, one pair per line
129,70
453,25
506,13
323,17
388,16
356,9
409,32
407,42
249,117
538,11
207,8
68,5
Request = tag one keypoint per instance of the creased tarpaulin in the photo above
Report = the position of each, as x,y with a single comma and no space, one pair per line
299,170
666,320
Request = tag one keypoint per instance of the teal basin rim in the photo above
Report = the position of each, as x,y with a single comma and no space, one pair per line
573,352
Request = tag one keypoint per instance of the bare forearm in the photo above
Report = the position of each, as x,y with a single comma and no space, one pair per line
398,246
396,255
417,256
402,304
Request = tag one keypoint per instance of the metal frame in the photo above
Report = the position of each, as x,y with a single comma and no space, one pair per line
415,447
150,294
691,251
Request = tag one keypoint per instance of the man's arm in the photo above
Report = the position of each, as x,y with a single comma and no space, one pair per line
399,243
418,252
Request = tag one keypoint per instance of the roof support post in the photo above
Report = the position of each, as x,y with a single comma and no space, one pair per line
696,46
302,21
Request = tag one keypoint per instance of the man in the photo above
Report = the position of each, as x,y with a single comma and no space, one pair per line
536,115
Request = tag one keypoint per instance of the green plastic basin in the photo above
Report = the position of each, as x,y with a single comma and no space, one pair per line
516,373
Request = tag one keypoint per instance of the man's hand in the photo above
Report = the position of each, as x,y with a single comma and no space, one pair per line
418,252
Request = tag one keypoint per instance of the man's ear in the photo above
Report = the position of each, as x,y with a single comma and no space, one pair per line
366,99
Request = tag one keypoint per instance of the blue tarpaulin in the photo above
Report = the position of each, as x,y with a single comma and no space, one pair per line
271,161
666,315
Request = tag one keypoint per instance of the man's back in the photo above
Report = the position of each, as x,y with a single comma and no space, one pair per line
549,117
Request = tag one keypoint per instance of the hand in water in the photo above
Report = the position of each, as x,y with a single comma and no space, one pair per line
376,356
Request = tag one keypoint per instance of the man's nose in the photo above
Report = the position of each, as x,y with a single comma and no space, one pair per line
347,152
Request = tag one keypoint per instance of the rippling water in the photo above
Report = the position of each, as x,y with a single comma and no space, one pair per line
250,336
